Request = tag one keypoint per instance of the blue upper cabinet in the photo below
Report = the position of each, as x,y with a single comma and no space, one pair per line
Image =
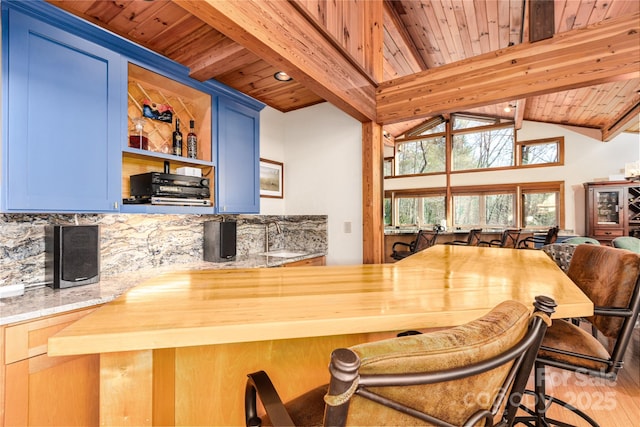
238,158
67,109
63,119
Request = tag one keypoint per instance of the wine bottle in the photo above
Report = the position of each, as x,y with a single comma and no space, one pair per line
177,140
192,142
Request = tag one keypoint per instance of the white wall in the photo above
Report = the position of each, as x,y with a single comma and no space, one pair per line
272,142
586,159
320,147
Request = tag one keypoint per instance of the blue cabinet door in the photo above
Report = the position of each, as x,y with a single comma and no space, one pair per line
238,177
62,107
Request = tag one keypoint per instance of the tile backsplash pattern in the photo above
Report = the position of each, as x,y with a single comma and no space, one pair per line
131,242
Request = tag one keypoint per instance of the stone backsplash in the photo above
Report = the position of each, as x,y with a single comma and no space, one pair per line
131,242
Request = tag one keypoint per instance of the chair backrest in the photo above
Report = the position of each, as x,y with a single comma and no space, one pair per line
560,253
552,235
458,375
510,238
627,242
425,239
610,278
579,240
474,237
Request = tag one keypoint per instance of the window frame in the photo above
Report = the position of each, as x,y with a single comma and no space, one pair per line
517,189
521,144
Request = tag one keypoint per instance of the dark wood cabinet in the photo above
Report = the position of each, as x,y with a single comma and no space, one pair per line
612,209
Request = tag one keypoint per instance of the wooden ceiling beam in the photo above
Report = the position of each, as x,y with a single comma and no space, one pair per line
619,124
518,116
411,50
604,52
276,32
541,20
218,60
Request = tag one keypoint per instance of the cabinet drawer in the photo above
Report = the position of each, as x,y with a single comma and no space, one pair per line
608,233
28,339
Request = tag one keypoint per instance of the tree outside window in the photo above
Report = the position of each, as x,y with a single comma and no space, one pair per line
493,210
422,211
421,156
540,209
485,149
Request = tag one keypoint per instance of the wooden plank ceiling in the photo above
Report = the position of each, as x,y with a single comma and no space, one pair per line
417,36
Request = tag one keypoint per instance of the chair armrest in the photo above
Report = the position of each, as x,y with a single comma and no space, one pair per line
457,242
393,248
490,243
532,239
259,383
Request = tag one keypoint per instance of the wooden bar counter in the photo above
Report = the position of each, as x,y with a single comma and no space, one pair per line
176,349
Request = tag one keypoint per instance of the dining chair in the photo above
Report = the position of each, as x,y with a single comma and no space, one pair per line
509,239
425,239
560,253
610,278
540,239
462,375
626,242
472,238
579,240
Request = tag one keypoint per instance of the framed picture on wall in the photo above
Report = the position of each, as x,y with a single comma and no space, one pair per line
271,179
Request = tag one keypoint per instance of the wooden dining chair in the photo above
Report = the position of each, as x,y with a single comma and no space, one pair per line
610,277
463,375
472,238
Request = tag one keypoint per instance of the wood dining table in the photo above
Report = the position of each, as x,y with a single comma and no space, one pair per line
175,350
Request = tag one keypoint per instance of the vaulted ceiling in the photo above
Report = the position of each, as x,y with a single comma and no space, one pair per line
417,37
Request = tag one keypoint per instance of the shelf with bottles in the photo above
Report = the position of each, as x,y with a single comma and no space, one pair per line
166,101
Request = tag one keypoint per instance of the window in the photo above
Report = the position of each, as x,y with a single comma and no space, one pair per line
421,156
540,209
422,211
541,152
387,211
484,210
482,149
388,167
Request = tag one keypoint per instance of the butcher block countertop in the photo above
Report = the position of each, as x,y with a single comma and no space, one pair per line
441,286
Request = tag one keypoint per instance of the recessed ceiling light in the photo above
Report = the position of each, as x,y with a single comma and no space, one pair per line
282,76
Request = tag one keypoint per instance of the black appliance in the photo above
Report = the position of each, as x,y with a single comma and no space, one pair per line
72,255
158,184
219,241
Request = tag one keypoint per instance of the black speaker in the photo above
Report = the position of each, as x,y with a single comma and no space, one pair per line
72,255
219,241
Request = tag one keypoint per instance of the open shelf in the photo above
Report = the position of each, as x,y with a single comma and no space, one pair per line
187,104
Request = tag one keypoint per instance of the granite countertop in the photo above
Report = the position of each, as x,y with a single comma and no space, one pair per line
43,301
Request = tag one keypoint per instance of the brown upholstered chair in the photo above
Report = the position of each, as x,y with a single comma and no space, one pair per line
460,375
540,239
509,239
610,278
473,238
425,239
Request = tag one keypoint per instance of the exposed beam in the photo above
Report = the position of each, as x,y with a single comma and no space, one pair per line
541,20
619,124
519,114
276,32
372,194
604,52
220,58
411,52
